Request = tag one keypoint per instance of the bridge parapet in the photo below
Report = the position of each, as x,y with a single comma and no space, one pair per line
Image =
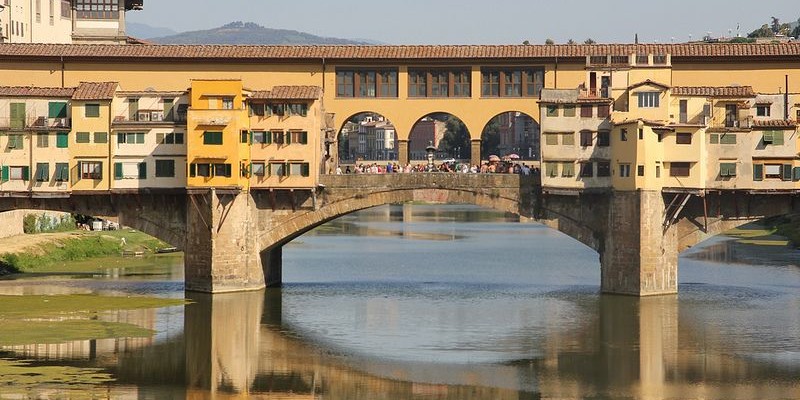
429,180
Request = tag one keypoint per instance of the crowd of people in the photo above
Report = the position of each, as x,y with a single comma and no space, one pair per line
504,167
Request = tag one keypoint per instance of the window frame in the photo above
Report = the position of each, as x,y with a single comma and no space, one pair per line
503,82
649,99
91,110
677,168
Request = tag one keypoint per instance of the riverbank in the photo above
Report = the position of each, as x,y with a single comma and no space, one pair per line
51,252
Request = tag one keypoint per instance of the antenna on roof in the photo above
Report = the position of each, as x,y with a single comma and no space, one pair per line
636,38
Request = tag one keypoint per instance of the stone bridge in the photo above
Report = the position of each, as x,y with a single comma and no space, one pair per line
233,239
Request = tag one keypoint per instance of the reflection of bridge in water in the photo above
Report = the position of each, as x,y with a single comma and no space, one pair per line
239,343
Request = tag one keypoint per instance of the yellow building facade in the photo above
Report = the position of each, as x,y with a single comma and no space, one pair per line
678,117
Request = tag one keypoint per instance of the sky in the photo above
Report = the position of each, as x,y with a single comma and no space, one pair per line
478,22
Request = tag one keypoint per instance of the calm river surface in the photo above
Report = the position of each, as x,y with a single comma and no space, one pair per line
450,302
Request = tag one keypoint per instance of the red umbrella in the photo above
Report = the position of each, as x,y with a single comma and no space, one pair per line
513,156
494,158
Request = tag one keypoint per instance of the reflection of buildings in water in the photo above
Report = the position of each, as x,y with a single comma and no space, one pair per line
107,349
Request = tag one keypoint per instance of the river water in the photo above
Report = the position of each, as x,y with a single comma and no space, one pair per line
450,302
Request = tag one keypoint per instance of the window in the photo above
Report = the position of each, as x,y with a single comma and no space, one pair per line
713,138
165,168
300,137
300,109
203,170
462,83
92,110
624,170
587,111
773,137
439,83
586,138
658,171
587,170
244,137
101,137
679,169
257,109
642,59
776,171
17,114
257,169
552,110
97,9
82,137
169,138
659,59
66,8
683,138
62,140
641,134
551,169
648,99
62,172
727,169
227,103
299,169
277,109
568,139
623,135
603,138
277,169
603,168
57,109
130,137
551,139
212,137
223,170
19,173
16,142
42,172
762,110
569,110
42,140
130,170
91,170
508,82
603,111
260,137
366,83
727,138
640,170
660,136
567,170
169,109
277,137
417,84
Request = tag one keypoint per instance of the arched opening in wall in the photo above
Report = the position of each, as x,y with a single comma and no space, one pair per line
445,132
512,134
367,137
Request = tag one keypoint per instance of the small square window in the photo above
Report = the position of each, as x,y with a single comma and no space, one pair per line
92,110
762,110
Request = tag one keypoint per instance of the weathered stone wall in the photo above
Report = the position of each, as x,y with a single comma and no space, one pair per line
11,223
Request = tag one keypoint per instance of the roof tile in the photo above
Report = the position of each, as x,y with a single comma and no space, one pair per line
30,91
711,91
95,91
289,93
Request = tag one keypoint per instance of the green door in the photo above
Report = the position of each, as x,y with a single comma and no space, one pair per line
17,115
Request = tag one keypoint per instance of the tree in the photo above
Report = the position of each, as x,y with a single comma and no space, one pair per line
776,25
456,140
763,32
526,42
589,41
796,31
570,41
549,41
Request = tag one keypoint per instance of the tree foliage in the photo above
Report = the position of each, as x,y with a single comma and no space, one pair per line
589,41
570,41
549,41
456,140
490,139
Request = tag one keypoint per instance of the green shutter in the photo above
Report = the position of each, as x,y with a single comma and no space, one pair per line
117,171
777,138
767,137
787,171
714,138
62,172
42,172
304,170
17,115
26,173
192,170
228,171
758,172
57,109
121,137
4,174
268,137
288,137
62,140
304,137
92,110
796,175
142,170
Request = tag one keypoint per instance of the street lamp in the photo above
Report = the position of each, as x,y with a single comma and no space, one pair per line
430,150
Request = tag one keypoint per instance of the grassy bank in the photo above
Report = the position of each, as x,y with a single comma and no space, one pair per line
78,246
787,226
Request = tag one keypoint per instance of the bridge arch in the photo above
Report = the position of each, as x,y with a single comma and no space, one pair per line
445,131
367,135
511,132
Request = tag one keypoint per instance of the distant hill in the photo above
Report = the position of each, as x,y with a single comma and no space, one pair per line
144,31
249,33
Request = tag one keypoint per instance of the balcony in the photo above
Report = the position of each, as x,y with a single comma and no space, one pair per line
739,123
149,117
35,123
603,92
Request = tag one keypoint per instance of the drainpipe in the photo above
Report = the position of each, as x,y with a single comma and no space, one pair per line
63,68
30,25
555,83
786,100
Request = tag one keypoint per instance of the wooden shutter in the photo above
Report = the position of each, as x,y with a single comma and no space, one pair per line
787,171
17,115
62,140
758,172
26,173
4,174
142,170
117,171
57,109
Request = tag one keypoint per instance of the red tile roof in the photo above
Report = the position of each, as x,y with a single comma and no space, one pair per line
145,51
95,91
774,123
709,91
648,82
289,93
30,91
